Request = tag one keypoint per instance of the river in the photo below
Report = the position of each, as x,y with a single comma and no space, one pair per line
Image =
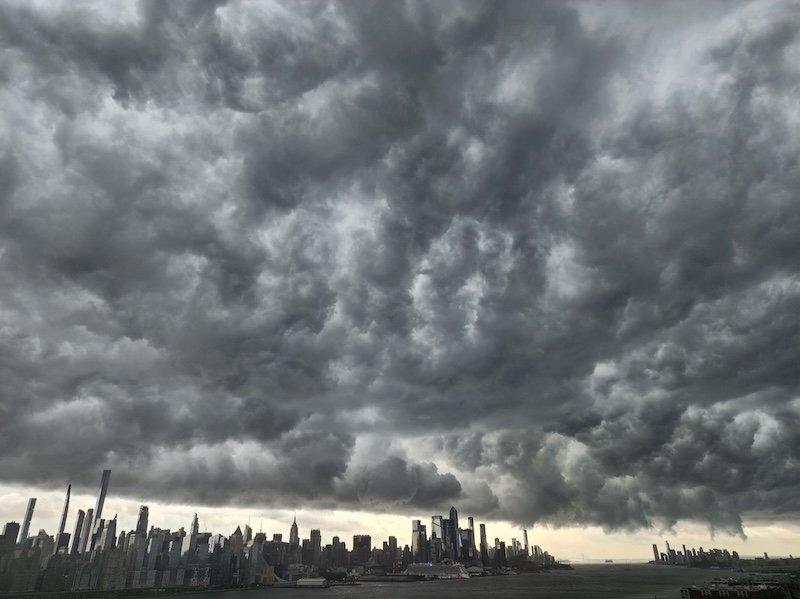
595,581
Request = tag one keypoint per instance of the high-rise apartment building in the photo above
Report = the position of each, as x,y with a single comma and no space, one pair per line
362,548
98,508
484,545
437,530
26,523
141,523
60,539
316,547
419,542
86,531
76,535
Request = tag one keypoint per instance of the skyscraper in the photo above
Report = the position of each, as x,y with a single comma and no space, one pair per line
436,527
26,523
294,536
141,523
101,495
76,536
484,545
86,531
316,547
362,547
455,538
247,534
108,537
419,542
190,540
60,541
98,508
11,531
525,542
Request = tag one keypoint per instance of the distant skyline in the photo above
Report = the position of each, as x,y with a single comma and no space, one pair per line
565,543
371,259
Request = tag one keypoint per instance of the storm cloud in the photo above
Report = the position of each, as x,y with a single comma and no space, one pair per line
540,260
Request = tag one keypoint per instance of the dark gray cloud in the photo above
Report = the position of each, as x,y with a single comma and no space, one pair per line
536,260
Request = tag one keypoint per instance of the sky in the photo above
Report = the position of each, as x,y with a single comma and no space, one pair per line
367,260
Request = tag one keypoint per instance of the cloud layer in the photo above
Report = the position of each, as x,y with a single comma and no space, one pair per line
537,260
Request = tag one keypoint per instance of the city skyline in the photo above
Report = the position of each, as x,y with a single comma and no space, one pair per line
369,260
564,544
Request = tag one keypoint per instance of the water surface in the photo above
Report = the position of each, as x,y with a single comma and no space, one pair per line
595,581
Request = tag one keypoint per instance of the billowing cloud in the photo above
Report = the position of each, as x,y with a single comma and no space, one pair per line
537,260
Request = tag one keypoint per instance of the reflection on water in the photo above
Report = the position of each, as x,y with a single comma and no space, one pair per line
636,581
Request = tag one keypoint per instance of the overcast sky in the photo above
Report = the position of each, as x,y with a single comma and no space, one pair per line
536,260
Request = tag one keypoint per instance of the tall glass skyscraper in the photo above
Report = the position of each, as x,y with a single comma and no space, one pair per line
455,538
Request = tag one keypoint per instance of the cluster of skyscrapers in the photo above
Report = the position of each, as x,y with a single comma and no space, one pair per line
688,557
448,541
98,556
90,527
